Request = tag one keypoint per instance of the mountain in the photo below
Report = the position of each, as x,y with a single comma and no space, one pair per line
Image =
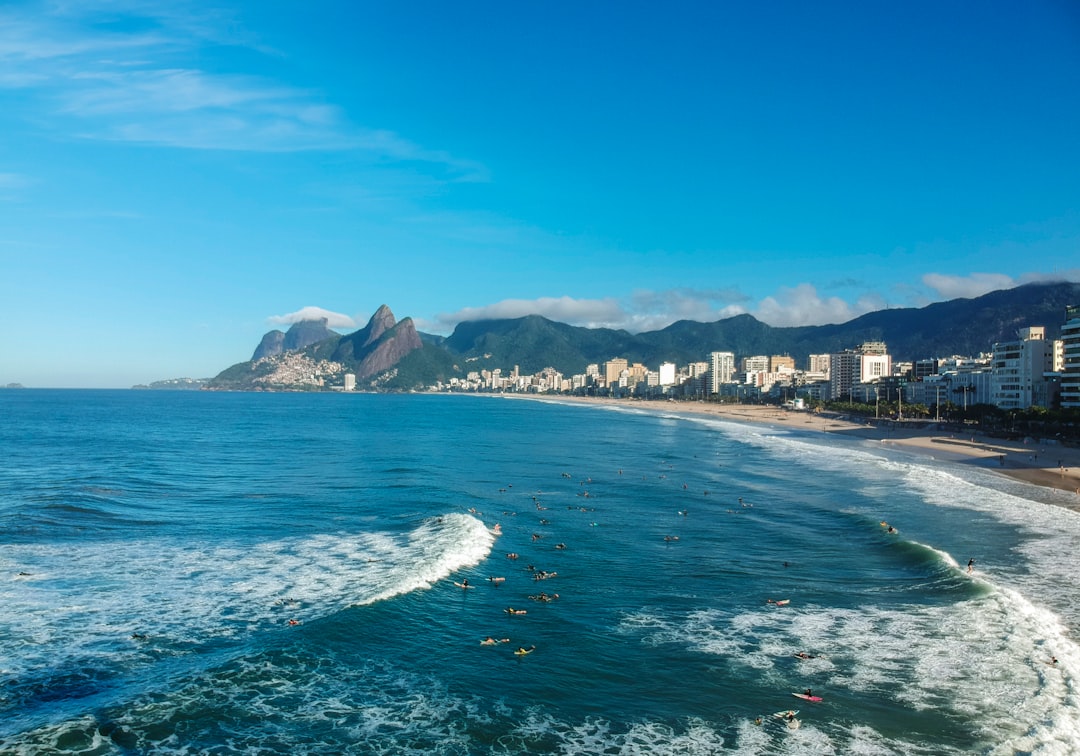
959,326
310,355
299,336
387,354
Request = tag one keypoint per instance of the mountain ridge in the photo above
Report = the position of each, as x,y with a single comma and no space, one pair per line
394,355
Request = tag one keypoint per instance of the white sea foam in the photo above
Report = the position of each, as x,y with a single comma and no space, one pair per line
179,595
983,659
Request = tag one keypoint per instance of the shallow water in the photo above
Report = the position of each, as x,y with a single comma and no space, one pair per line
202,523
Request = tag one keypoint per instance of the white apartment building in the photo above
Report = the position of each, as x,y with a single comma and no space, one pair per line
818,364
867,364
756,364
721,370
667,373
1018,366
1070,358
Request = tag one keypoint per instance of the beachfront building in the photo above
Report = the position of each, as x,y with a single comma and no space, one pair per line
818,364
613,370
350,382
1020,369
1070,358
667,373
721,370
756,364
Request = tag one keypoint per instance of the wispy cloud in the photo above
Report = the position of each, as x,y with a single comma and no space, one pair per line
977,284
973,285
334,319
11,184
800,305
592,313
133,80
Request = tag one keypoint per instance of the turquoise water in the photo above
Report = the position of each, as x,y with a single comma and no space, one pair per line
274,573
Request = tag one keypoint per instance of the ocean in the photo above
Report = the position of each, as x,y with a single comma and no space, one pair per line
230,573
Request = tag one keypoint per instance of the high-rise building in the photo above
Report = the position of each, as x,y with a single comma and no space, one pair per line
842,370
721,369
869,363
667,373
1018,366
781,363
613,369
756,364
818,363
1070,372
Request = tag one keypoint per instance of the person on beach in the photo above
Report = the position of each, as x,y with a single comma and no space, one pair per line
971,566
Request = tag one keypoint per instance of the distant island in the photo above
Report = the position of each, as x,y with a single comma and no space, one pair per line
175,384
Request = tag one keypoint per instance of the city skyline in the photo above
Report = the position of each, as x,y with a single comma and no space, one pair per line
191,175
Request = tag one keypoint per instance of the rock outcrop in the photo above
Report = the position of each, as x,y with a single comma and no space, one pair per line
299,336
379,345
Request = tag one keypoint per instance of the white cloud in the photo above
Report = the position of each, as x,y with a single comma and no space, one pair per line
966,287
10,184
592,313
800,305
334,319
12,181
1070,274
141,86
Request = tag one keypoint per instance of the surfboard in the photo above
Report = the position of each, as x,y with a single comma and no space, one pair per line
524,651
805,697
784,714
462,585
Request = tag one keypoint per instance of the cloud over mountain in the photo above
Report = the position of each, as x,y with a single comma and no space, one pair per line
333,319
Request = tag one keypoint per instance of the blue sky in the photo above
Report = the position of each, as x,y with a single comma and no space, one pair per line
178,178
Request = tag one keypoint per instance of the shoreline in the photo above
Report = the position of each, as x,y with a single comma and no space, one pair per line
1042,464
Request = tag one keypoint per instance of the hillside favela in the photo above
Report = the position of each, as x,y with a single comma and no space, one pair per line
1031,363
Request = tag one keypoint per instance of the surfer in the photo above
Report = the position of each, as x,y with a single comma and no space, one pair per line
971,565
465,583
809,693
488,641
804,655
521,650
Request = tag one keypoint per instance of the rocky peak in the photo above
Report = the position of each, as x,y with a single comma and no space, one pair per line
381,322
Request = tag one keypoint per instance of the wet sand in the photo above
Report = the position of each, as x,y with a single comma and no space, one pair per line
1040,463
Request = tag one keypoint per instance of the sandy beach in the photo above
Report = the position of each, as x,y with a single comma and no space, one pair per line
1038,462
